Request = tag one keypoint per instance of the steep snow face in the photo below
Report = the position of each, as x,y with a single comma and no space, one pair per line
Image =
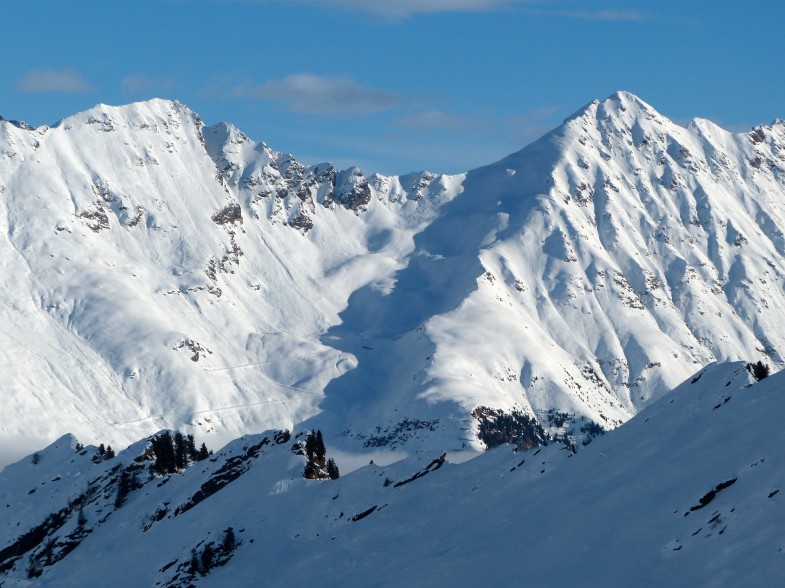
165,274
689,492
160,273
588,273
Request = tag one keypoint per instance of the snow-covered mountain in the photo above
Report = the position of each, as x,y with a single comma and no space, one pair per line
160,273
687,493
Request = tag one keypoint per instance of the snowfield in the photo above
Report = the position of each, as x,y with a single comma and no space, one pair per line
161,273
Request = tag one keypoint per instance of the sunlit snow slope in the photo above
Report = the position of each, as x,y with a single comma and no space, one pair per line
160,273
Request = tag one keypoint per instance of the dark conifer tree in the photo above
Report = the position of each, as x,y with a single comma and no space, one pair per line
207,558
319,449
759,370
203,453
311,471
310,446
123,487
194,562
164,452
180,453
190,446
229,540
109,452
101,449
332,469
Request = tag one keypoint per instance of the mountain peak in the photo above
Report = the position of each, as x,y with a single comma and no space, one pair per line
620,105
626,107
625,98
139,115
191,266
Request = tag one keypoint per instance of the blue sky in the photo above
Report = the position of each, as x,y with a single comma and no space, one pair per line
394,86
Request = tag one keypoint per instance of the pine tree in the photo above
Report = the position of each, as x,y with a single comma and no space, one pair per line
310,472
759,370
319,449
194,562
123,487
332,469
109,452
101,449
180,455
164,452
207,558
229,541
203,453
190,446
310,446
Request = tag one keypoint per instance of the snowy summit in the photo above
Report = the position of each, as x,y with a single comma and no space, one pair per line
169,274
176,287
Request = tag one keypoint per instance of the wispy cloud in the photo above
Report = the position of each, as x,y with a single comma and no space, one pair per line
533,116
399,9
54,80
519,129
135,84
322,94
531,125
606,15
420,123
404,8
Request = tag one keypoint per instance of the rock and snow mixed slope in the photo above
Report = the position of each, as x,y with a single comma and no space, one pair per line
689,492
591,271
161,273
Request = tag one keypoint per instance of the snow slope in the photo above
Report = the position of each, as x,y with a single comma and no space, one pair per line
165,274
689,492
162,273
588,273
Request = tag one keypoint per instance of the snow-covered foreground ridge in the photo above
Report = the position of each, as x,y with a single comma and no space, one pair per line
688,493
160,273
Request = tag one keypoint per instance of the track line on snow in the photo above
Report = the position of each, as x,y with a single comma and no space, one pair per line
232,407
232,367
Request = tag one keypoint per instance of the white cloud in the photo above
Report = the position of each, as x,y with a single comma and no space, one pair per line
142,84
607,15
404,8
397,9
401,9
54,80
321,94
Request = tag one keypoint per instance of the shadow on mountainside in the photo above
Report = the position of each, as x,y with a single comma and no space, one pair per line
385,331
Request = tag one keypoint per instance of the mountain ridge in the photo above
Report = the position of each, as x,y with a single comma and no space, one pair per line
689,490
193,278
